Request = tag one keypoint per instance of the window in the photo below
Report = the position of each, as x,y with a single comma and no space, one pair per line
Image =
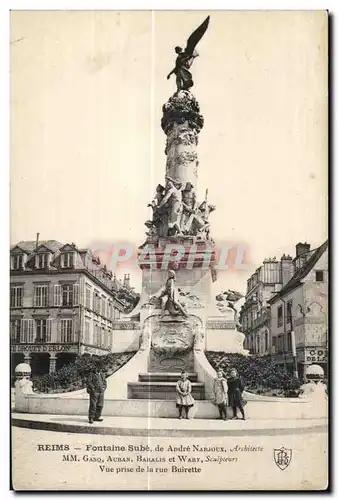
266,341
15,327
280,316
27,331
289,311
280,346
87,332
66,330
110,339
96,334
88,297
96,305
67,260
17,262
41,260
43,330
16,295
66,295
319,275
103,337
289,342
41,296
103,310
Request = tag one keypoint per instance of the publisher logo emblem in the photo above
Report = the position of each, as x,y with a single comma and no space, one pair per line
282,457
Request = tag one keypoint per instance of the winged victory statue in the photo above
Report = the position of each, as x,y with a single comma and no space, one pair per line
186,57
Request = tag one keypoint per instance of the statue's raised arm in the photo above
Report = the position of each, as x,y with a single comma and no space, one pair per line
185,58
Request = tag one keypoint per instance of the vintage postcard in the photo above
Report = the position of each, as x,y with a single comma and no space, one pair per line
169,275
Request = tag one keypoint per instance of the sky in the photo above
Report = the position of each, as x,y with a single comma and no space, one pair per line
87,148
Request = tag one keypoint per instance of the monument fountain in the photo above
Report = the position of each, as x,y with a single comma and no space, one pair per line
176,311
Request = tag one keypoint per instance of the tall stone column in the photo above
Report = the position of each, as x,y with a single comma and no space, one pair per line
52,362
182,123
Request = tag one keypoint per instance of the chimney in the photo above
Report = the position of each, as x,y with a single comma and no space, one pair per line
126,280
37,240
287,268
302,248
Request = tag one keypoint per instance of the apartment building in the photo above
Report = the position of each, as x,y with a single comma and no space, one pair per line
62,303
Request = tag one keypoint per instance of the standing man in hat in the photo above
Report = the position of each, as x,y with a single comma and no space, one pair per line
96,385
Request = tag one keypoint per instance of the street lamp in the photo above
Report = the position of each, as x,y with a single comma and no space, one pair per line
293,341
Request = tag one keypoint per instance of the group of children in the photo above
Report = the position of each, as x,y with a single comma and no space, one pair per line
226,392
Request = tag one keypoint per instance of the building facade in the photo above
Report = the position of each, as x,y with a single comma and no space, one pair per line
63,302
284,296
302,306
255,313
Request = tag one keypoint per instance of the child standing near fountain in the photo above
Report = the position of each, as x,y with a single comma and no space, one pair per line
235,389
221,394
184,398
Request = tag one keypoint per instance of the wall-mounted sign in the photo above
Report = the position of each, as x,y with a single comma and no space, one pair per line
31,348
316,355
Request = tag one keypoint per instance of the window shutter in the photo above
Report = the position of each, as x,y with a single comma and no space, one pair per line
59,329
76,295
49,330
57,295
72,333
23,331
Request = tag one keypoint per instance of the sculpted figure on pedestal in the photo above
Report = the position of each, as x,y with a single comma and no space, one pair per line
171,205
189,203
156,226
186,57
233,300
169,298
198,221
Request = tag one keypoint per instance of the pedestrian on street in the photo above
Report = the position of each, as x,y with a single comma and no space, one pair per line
221,394
184,398
96,385
235,390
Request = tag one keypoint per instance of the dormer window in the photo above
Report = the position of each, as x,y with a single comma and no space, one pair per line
17,262
41,260
67,259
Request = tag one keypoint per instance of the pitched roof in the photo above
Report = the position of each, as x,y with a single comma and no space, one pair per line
303,271
29,246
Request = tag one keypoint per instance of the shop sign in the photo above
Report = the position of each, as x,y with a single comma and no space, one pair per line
316,355
31,348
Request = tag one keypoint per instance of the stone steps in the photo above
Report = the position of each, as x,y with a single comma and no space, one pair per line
164,377
161,390
162,386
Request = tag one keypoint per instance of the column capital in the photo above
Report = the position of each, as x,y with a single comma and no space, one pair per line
180,108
